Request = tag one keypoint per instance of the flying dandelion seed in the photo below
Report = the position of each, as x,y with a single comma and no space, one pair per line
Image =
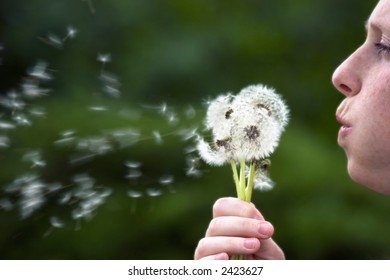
133,164
125,137
71,33
152,193
39,71
167,180
52,40
35,159
4,141
21,119
190,112
90,6
192,167
157,137
65,198
77,159
98,108
31,89
67,138
6,204
134,195
134,174
56,222
84,195
12,101
7,125
104,58
37,112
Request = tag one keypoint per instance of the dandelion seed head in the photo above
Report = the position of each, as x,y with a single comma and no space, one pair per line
263,183
216,115
246,126
216,156
267,102
252,132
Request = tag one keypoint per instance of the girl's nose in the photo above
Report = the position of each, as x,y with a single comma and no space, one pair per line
347,77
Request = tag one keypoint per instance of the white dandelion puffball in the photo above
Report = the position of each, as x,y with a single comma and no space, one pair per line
246,127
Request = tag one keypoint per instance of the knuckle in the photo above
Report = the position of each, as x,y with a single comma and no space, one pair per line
200,249
213,226
218,205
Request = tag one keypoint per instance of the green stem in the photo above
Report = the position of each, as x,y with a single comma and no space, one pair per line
242,180
244,189
235,176
249,187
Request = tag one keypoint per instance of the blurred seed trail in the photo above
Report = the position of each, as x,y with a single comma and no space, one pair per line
90,6
82,193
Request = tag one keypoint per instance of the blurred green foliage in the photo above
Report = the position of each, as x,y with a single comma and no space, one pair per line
183,52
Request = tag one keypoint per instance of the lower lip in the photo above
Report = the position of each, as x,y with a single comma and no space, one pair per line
344,132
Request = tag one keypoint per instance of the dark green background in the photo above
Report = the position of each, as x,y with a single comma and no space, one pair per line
183,52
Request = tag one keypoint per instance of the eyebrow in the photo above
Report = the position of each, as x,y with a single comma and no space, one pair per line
373,25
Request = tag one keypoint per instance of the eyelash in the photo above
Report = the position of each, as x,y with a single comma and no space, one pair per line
381,48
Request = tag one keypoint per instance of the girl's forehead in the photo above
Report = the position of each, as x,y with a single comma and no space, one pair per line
381,15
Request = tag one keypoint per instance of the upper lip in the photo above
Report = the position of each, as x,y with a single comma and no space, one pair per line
342,120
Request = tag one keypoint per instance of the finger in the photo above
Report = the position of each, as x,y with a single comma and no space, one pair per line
241,227
230,206
221,256
210,246
270,250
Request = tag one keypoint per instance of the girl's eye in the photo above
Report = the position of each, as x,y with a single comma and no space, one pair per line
382,48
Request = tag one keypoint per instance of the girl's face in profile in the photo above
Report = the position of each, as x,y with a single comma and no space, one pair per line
364,80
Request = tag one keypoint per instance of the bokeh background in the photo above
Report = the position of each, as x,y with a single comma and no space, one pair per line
99,100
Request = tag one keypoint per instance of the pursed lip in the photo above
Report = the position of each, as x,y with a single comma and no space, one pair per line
345,128
342,121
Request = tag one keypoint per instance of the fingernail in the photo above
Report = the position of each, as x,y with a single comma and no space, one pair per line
250,243
266,229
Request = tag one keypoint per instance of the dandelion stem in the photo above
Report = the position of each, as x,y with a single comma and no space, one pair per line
249,187
241,194
235,176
